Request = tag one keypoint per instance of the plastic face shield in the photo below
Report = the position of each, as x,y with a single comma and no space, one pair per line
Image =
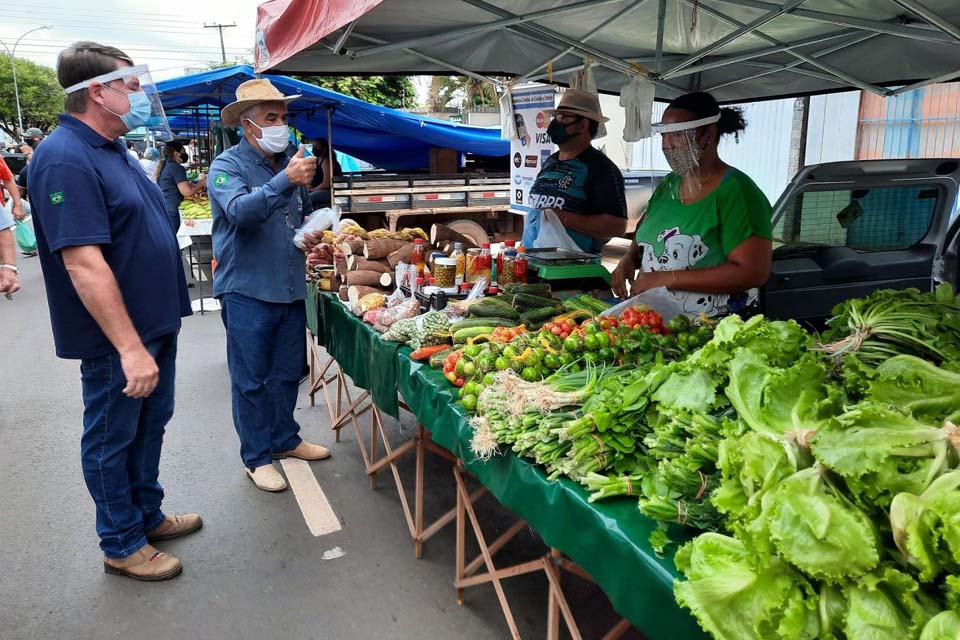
683,154
134,79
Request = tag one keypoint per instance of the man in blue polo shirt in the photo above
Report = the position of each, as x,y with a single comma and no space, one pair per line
116,294
257,195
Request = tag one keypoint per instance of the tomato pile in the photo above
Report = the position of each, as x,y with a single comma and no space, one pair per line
506,334
644,318
561,329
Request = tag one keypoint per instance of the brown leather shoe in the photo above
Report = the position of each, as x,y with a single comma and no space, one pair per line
305,451
175,527
147,565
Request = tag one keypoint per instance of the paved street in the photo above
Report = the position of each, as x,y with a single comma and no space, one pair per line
255,571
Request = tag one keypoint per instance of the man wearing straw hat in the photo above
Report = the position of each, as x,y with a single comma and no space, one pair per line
255,193
580,184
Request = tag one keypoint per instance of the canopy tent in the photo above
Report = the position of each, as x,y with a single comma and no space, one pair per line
386,138
739,50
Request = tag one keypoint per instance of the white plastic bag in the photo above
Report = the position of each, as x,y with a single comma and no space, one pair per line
552,233
318,222
659,299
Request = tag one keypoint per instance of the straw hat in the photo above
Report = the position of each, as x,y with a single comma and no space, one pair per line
580,103
250,93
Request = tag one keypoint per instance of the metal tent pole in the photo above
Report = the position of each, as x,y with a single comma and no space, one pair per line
894,28
839,73
507,21
330,154
586,37
931,16
746,29
661,24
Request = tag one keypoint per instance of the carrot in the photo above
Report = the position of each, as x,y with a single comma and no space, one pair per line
425,352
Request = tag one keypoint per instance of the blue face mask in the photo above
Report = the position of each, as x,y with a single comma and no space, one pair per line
140,109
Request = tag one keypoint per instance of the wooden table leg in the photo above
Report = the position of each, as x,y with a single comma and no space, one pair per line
418,495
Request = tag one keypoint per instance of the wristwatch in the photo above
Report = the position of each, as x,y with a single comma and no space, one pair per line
11,267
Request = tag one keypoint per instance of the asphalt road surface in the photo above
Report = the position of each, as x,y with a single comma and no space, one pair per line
256,570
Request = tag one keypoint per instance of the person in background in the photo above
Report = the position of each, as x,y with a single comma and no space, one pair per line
132,150
320,187
116,295
706,234
149,161
9,273
10,186
193,152
172,180
257,195
31,138
580,184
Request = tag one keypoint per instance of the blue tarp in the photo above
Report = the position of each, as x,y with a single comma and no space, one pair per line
384,137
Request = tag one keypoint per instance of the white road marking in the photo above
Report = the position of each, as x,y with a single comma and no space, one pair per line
333,554
314,505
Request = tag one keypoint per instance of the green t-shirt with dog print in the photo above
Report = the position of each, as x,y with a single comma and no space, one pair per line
673,236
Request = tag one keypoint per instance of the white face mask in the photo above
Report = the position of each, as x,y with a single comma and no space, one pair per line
272,139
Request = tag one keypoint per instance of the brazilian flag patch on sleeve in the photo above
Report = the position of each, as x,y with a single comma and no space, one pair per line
220,180
56,197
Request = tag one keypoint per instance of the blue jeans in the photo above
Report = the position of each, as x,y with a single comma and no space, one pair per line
265,351
120,447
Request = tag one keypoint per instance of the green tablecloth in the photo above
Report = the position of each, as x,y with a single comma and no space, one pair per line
369,361
609,539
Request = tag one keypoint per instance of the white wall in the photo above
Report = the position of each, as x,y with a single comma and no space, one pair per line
763,152
832,128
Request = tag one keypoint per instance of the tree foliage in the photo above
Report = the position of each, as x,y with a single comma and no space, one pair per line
387,91
41,97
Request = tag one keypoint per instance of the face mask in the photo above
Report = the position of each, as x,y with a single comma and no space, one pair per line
684,159
272,139
140,109
558,132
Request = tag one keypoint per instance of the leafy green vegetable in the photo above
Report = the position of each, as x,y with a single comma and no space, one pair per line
918,386
750,466
817,531
735,595
944,626
926,528
881,452
886,605
778,402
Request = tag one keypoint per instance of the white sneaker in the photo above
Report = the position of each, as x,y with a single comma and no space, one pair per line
267,478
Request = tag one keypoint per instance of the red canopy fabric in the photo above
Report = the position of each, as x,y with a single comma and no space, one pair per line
284,30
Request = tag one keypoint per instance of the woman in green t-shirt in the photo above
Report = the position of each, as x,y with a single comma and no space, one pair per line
706,233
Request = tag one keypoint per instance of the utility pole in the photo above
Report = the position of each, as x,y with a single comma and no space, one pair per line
220,28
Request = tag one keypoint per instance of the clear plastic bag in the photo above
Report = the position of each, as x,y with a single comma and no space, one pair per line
659,299
319,221
407,309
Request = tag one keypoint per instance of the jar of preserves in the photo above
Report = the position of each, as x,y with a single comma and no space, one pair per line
472,268
445,272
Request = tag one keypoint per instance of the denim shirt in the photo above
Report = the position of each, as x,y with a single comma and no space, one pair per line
256,211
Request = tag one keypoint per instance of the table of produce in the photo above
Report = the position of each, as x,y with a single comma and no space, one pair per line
822,470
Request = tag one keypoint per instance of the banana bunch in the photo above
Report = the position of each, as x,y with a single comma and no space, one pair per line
196,208
355,230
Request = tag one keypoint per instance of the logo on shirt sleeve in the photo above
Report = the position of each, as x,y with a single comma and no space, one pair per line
220,180
56,197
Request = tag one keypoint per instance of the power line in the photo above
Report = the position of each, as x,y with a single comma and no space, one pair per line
220,28
68,10
133,47
108,21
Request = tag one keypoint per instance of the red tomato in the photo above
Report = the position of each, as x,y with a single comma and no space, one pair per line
614,323
565,335
459,382
548,326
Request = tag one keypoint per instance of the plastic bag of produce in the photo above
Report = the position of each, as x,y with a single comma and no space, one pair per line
547,232
311,233
659,299
432,328
407,309
25,237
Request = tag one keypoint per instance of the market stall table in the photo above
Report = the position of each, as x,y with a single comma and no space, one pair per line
609,540
195,235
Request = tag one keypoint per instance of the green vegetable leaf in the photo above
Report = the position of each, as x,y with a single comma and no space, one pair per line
751,465
693,391
882,452
919,386
791,402
944,626
926,528
886,605
735,596
818,532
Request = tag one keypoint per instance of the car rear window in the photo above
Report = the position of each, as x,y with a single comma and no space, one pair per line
875,219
